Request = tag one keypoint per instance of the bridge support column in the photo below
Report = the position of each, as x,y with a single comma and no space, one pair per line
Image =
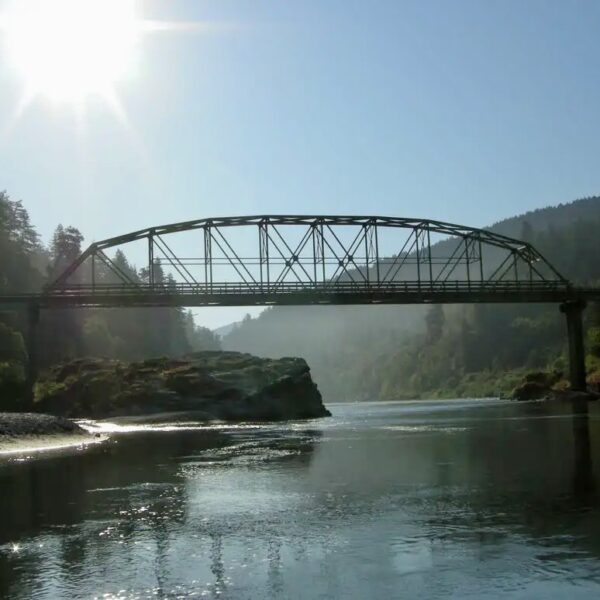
574,313
33,318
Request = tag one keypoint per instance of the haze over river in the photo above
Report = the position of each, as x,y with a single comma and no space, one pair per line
463,499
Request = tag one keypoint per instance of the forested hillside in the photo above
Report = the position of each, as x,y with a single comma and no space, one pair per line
404,352
26,265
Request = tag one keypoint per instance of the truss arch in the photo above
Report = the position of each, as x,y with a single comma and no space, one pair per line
271,254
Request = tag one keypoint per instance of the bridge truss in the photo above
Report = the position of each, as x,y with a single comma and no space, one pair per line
307,260
295,260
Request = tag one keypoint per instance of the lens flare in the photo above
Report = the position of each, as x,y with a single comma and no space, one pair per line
67,50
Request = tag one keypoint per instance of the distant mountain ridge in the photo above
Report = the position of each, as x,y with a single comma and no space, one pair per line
551,216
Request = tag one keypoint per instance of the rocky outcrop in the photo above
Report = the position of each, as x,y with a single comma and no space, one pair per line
228,386
536,385
543,385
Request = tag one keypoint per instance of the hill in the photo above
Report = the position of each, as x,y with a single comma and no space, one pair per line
387,352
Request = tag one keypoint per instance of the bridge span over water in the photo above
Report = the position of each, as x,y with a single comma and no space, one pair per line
313,260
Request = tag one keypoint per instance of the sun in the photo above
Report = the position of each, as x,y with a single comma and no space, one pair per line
68,50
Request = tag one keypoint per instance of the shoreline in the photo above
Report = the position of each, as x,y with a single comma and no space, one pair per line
33,432
47,443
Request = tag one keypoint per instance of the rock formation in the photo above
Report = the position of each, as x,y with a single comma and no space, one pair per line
228,386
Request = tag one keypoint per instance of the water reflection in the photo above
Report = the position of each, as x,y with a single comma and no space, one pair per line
583,475
438,500
535,477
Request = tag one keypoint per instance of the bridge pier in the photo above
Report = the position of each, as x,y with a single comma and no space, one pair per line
33,319
574,312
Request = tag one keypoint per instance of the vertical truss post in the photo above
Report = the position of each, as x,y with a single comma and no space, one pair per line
208,267
367,228
467,241
417,236
260,253
263,252
377,253
515,266
267,258
429,256
315,246
205,257
480,261
322,249
151,260
93,272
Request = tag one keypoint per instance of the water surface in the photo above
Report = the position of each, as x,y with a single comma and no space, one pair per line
464,499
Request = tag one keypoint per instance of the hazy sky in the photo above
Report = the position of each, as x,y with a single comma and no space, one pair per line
461,111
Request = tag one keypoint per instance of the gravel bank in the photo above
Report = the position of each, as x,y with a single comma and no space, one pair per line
16,425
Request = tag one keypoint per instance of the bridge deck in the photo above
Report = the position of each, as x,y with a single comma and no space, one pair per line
236,294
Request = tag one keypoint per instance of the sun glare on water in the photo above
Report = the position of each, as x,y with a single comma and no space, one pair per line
68,50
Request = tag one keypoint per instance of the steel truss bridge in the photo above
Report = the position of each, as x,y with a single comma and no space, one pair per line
302,260
262,260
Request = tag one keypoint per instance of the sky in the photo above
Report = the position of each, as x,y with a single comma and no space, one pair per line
463,111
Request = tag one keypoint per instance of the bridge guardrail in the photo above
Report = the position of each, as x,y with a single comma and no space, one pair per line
293,287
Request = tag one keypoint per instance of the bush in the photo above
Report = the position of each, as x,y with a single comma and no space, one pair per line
593,341
12,385
44,390
12,372
12,346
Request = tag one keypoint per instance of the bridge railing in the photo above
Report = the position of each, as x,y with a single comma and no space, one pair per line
345,287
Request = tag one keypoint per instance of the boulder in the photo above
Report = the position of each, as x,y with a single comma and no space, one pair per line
536,385
549,385
530,390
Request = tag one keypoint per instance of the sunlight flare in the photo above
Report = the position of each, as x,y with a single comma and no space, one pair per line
67,50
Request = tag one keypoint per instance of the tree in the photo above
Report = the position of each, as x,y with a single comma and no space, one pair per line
526,232
200,338
61,330
64,249
434,321
19,248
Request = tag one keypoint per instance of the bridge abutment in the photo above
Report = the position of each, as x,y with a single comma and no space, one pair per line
574,314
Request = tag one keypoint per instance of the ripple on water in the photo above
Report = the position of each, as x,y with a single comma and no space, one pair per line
424,428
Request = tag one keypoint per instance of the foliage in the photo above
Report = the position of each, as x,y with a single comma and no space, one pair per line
47,389
200,338
129,334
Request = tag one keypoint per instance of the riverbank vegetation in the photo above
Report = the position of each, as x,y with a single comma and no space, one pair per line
26,265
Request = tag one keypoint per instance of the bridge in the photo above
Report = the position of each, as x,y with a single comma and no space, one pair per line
313,260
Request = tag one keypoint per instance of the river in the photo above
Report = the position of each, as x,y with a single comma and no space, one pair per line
462,499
